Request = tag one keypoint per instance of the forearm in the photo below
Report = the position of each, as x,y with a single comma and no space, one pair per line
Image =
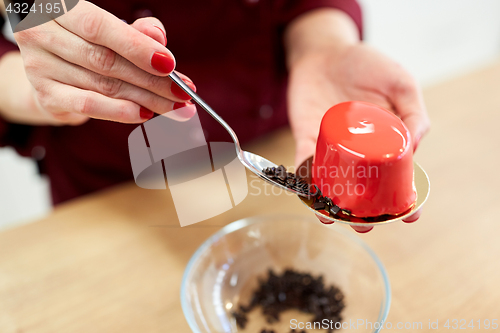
14,85
321,30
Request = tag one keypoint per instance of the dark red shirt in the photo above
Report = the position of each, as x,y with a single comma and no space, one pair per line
231,49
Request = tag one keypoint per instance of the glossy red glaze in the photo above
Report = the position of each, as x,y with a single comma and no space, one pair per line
364,160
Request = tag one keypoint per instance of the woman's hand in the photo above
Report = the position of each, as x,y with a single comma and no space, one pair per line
328,65
359,73
90,64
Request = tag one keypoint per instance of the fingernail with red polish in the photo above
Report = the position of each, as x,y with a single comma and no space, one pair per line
323,219
179,93
164,35
414,217
145,113
362,230
178,105
162,62
184,110
410,221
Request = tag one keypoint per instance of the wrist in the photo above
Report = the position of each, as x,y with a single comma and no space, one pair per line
319,32
5,82
16,95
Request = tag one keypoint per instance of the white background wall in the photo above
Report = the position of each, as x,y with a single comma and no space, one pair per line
23,194
434,39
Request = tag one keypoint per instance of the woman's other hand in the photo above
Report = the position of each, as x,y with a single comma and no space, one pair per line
328,65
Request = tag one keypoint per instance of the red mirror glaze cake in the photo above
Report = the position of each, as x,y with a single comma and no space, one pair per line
364,160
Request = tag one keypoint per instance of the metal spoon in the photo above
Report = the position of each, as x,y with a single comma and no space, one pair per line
253,162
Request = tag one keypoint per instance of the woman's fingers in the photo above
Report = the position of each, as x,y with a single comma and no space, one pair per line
82,78
106,62
152,27
362,229
182,111
64,102
91,64
97,26
55,54
323,219
55,115
408,101
414,217
304,148
359,229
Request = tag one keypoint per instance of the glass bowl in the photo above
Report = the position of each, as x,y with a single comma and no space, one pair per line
224,272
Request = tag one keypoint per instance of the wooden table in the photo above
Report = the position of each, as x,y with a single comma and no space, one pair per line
113,261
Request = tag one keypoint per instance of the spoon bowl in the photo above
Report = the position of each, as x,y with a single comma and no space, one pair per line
256,164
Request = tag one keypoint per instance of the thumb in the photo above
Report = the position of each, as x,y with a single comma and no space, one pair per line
408,102
304,149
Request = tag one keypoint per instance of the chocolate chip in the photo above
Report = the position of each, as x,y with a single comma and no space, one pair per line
281,172
334,210
319,205
317,192
293,290
287,179
268,171
346,211
244,309
241,319
292,181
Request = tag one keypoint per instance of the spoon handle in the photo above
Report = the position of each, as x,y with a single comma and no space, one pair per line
173,76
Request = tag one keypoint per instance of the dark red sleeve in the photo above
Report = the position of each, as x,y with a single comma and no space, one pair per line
3,130
5,46
291,9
